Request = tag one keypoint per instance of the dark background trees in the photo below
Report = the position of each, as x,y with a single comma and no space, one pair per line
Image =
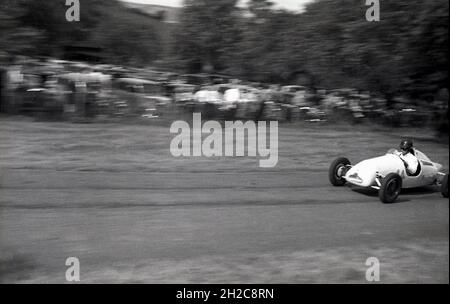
124,35
329,45
207,33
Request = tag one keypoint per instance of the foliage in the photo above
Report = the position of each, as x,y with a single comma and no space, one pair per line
41,25
206,34
331,44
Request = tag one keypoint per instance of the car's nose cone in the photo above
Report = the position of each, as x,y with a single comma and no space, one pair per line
363,178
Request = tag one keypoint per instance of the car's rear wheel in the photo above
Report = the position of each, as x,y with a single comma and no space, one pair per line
444,186
390,188
337,171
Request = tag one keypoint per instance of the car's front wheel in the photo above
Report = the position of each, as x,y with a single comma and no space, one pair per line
390,188
444,186
337,171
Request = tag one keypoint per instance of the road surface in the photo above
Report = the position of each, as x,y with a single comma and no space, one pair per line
113,197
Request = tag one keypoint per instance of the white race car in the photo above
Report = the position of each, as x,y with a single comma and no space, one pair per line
388,174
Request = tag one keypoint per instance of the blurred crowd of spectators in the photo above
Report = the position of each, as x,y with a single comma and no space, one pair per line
58,89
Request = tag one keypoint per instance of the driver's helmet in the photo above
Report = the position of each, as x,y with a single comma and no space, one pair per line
406,145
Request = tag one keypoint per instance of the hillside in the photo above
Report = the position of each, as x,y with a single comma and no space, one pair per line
123,24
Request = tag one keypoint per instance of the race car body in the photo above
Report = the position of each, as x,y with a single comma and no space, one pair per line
388,174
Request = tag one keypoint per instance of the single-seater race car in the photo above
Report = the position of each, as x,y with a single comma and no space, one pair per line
388,174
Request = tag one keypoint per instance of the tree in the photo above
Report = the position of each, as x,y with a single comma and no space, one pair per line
39,27
14,38
206,34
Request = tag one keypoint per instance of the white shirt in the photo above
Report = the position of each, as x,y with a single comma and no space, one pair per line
411,161
208,96
232,95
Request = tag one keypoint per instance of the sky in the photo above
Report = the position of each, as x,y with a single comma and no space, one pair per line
287,4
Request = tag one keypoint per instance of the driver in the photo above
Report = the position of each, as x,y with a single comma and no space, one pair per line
407,155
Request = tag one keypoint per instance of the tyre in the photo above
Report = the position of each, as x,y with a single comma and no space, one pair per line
391,186
337,171
444,186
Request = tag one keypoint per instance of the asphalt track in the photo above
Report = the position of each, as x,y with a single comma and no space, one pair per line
209,225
